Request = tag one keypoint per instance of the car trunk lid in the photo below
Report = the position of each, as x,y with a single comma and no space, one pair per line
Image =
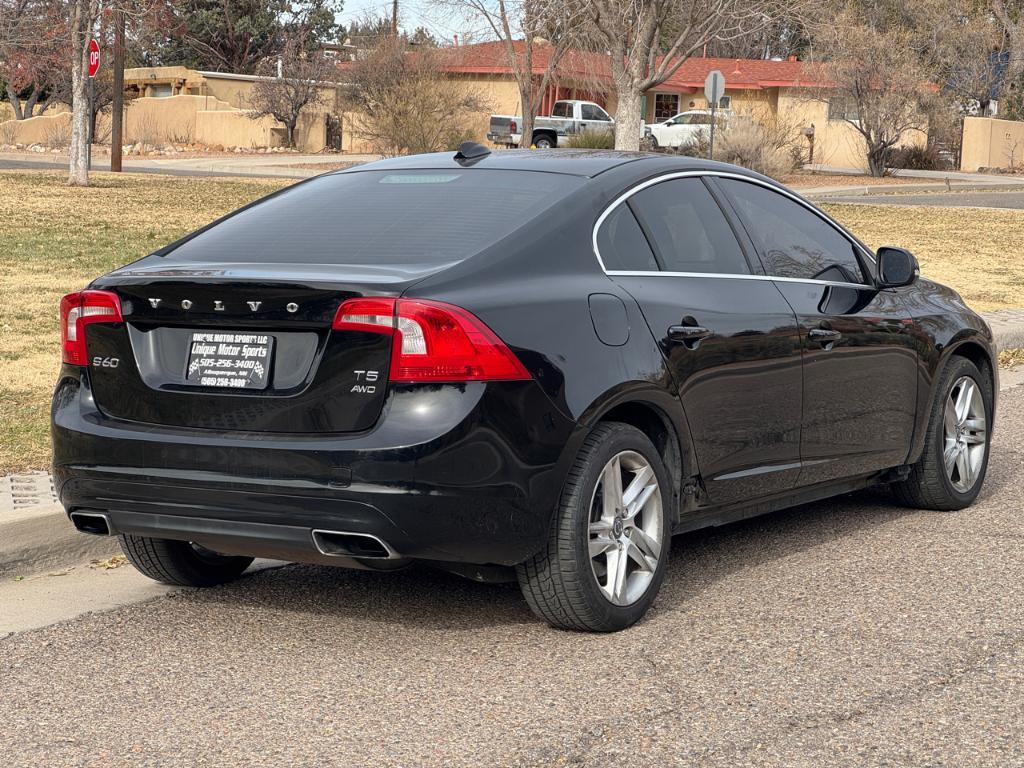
243,347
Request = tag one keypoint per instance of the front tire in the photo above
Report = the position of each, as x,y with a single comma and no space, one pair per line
952,468
609,541
181,563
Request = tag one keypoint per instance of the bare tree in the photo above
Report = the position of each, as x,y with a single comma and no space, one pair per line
879,81
1010,14
292,84
534,34
33,55
648,40
405,104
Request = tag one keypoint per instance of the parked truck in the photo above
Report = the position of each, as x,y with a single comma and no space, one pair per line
568,118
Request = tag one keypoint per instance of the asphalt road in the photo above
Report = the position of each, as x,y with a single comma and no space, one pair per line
979,199
844,633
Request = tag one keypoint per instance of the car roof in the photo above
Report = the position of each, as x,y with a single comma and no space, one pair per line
573,162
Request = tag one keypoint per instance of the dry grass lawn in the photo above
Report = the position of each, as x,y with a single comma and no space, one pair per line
55,239
980,253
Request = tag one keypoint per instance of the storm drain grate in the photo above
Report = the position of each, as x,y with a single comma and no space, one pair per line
27,490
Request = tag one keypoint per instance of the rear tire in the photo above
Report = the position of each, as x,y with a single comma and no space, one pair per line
610,537
181,563
951,470
543,141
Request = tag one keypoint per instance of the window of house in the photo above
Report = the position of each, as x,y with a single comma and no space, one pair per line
842,108
688,229
725,102
794,241
665,105
622,244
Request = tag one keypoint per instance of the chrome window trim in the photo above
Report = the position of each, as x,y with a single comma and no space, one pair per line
729,276
724,175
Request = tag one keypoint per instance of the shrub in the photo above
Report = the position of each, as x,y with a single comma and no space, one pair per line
592,139
766,148
57,134
916,158
405,104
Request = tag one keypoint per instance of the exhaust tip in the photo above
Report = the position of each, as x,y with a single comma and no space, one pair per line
348,544
93,523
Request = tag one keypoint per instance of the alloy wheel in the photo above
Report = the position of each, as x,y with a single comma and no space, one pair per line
626,535
964,434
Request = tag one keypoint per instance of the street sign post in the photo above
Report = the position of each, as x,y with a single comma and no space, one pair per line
94,67
714,90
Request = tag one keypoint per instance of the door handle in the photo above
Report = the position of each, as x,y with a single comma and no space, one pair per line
690,335
824,336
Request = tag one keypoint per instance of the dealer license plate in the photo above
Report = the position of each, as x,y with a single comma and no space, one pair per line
232,360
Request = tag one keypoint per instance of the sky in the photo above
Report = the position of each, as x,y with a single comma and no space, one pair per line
411,14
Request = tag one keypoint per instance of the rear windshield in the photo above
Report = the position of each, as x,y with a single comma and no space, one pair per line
382,217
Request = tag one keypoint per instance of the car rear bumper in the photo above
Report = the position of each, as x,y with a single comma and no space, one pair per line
455,473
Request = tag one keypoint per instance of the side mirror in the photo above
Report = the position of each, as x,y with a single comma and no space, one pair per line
896,267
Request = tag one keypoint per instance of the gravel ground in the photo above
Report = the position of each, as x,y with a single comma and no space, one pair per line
846,633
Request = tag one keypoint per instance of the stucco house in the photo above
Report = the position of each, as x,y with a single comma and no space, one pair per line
788,90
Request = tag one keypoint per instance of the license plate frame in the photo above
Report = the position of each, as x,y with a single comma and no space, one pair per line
229,360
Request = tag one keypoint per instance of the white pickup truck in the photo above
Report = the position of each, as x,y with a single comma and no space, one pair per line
567,118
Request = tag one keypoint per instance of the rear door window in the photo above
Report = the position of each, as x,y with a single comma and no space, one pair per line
688,229
382,217
622,244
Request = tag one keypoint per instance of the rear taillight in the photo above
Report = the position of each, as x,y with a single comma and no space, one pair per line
432,341
77,310
512,127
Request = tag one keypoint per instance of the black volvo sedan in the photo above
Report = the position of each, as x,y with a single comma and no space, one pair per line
521,365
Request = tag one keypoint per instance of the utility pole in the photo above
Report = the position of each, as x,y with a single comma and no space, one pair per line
394,18
117,108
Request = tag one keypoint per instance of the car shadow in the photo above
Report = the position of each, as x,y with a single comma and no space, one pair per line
426,598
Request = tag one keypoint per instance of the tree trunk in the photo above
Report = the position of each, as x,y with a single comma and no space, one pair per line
291,135
12,97
877,157
628,117
529,118
81,24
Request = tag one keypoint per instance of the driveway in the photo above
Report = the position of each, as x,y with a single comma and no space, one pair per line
845,633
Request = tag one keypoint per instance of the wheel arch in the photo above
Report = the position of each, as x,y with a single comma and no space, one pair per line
971,346
545,132
658,414
974,351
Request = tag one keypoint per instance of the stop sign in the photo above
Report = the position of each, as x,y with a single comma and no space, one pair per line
94,58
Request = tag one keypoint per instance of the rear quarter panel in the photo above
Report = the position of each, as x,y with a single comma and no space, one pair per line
533,290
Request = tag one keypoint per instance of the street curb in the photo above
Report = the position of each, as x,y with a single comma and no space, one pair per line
1007,328
896,190
43,538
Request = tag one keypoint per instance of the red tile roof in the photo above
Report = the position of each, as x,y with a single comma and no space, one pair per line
491,58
